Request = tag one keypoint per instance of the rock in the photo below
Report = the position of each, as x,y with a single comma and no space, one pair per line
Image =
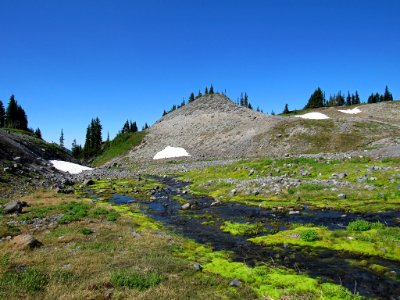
233,192
14,207
215,203
342,196
6,169
88,182
338,175
136,235
186,206
294,235
235,283
197,267
24,242
294,212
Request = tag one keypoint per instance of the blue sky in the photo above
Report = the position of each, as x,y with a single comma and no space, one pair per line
73,60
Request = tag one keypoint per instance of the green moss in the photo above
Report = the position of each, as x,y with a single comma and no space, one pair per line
242,228
368,243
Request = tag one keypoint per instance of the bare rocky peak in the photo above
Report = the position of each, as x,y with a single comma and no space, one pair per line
208,104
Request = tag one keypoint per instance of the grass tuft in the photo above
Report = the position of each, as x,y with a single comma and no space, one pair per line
135,280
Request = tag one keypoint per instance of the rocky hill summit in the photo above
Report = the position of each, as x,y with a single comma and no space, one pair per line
209,127
214,127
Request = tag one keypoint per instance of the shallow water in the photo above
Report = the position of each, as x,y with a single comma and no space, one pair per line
329,265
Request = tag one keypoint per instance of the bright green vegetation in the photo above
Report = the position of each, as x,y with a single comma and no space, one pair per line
265,281
135,280
242,228
366,189
379,240
119,146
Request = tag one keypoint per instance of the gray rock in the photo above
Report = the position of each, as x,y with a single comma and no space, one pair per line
14,207
235,283
25,242
197,267
251,172
186,206
233,192
294,212
342,196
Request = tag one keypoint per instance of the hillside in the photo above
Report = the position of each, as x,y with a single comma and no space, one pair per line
215,127
24,161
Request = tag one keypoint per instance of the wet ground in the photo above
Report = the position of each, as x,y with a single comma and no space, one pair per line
329,265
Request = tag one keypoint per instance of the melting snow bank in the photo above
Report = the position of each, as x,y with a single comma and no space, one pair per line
350,111
68,167
170,152
313,116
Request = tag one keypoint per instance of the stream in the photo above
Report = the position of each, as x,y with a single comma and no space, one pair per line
328,265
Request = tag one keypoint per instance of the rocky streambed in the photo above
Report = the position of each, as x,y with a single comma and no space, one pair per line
202,218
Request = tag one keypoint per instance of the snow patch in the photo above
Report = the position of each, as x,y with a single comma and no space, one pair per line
350,111
69,167
170,152
314,116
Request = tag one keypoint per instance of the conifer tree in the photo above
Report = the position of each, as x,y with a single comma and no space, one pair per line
15,116
199,94
11,113
191,98
348,99
356,98
133,127
286,109
316,100
38,133
206,91
62,139
387,96
272,113
164,113
2,114
211,90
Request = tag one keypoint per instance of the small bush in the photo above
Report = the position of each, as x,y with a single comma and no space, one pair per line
112,216
359,225
86,231
309,235
135,280
73,212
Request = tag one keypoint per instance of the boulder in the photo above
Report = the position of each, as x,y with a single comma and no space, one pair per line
14,207
186,206
235,283
25,242
342,196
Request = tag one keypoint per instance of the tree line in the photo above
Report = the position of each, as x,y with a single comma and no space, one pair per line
14,117
317,99
94,143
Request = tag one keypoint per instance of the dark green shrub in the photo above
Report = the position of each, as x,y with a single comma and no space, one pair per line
309,235
86,231
359,225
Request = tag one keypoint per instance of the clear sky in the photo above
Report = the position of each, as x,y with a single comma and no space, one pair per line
68,61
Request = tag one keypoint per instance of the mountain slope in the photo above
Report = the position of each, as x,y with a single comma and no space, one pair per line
215,127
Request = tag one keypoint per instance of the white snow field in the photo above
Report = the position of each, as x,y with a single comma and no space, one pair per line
68,166
350,111
170,152
313,116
